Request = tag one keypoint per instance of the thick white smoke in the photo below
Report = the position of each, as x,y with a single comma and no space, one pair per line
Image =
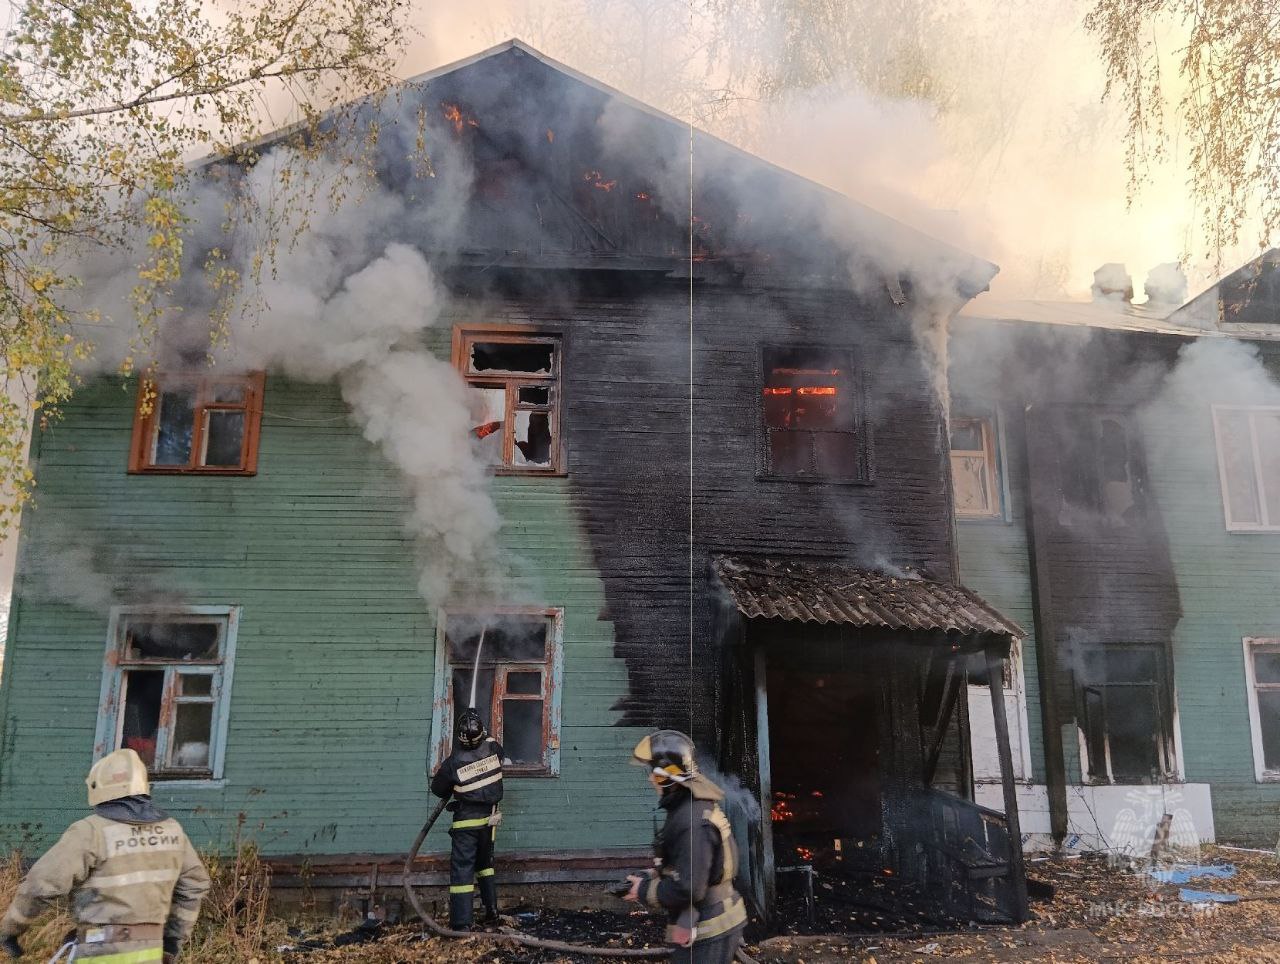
333,301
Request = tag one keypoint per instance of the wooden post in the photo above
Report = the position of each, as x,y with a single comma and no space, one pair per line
1017,868
766,779
1055,764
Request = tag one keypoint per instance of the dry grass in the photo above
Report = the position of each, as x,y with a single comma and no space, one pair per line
49,931
234,925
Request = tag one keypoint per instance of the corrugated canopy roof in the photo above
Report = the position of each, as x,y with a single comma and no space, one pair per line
833,593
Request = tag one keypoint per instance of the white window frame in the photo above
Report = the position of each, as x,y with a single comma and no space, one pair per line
1251,644
110,707
442,715
1265,525
993,435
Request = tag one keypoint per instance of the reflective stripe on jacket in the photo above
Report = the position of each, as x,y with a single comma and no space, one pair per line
473,778
116,873
698,861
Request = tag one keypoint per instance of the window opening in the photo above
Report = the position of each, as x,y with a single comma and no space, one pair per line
165,690
513,686
975,469
198,424
515,383
1249,466
1263,672
1125,714
810,415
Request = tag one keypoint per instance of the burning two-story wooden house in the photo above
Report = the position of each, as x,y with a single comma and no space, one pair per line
716,432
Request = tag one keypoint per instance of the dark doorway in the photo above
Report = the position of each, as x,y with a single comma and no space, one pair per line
824,757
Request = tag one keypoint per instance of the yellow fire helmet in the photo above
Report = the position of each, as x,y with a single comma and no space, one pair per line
116,775
669,755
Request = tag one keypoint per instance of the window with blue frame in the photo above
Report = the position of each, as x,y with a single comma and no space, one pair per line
166,689
977,482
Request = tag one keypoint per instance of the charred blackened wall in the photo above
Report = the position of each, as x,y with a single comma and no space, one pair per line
644,433
1072,401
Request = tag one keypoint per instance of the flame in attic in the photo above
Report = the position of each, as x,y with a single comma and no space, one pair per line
598,180
454,115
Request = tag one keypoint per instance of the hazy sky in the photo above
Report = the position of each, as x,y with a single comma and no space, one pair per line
1025,168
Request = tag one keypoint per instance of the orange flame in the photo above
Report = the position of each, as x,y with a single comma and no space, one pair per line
487,429
596,179
453,114
551,136
816,390
641,196
804,853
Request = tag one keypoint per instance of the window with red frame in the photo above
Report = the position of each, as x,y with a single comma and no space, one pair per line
198,424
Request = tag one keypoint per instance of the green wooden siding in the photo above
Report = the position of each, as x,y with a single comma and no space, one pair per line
331,705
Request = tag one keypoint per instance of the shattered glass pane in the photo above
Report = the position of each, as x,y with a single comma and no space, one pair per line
524,684
143,692
533,439
1238,468
528,357
195,684
1267,427
175,421
225,393
171,640
192,732
223,438
966,435
1132,725
489,410
522,731
1269,723
1266,666
969,482
835,454
507,638
790,453
535,395
484,692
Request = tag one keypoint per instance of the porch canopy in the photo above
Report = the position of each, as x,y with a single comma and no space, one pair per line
832,593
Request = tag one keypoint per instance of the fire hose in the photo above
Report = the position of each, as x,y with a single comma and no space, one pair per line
434,926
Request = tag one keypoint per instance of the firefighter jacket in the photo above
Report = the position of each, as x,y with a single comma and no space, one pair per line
474,778
116,873
696,862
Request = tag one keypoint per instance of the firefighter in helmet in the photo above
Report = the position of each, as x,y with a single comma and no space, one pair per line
472,774
135,881
695,856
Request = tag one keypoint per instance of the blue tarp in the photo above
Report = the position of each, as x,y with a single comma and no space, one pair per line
1189,896
1185,873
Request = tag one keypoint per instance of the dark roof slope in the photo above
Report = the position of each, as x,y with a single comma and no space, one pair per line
829,592
535,164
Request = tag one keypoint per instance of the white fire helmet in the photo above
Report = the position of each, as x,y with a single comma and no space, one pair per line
116,775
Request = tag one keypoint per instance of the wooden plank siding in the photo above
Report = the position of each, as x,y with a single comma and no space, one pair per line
330,709
1228,583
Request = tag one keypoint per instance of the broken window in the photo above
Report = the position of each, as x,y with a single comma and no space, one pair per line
811,415
1099,471
198,424
1125,710
513,682
1249,466
975,467
166,689
515,382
